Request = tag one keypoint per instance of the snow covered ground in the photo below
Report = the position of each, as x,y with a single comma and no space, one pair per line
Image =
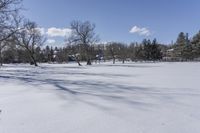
105,98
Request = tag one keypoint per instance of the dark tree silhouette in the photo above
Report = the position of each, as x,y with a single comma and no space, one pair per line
83,33
29,38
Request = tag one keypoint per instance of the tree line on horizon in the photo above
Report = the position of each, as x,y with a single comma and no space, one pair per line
22,42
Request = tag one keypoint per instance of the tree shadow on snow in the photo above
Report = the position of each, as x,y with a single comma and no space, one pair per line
91,91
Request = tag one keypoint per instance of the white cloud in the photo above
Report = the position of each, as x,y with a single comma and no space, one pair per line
141,31
51,41
58,32
103,42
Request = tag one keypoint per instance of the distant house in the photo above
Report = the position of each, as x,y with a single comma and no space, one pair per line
171,55
170,52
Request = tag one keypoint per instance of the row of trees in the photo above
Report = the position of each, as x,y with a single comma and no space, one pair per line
147,50
83,40
21,41
186,48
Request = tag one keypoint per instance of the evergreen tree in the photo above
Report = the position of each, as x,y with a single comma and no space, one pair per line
47,54
187,49
180,44
147,49
52,54
196,45
155,51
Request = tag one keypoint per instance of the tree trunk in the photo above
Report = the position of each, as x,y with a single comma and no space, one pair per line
88,55
34,60
77,60
113,60
89,62
1,59
79,63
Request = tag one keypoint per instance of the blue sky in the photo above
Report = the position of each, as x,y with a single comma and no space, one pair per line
114,19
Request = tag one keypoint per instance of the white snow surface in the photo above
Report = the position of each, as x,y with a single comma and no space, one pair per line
102,98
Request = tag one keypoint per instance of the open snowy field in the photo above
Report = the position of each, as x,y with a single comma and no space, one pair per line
105,98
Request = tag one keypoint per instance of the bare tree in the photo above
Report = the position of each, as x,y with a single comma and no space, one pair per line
74,51
8,21
114,50
83,33
123,52
111,50
8,14
29,38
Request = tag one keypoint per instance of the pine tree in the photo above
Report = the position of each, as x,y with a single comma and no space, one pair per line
187,49
51,54
155,51
47,54
180,44
196,45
